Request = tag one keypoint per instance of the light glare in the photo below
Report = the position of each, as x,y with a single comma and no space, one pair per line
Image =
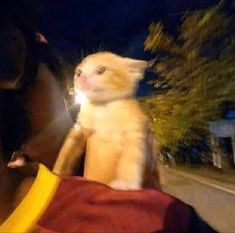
80,98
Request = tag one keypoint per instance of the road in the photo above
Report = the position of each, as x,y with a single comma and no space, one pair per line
216,207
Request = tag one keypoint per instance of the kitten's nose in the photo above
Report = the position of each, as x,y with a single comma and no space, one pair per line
83,77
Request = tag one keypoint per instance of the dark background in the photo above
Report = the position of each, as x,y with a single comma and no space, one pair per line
79,27
76,28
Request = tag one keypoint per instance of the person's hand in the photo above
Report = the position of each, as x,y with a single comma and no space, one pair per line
18,159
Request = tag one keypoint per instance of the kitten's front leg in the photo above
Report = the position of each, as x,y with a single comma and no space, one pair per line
131,166
71,151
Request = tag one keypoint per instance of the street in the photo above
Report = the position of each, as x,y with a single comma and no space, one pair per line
215,206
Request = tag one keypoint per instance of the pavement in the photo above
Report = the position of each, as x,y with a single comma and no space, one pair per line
226,187
213,200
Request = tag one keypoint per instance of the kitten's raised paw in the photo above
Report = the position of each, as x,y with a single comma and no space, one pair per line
125,185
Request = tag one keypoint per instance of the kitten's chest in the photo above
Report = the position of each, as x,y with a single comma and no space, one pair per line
106,122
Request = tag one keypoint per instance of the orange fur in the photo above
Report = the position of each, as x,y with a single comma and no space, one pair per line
120,150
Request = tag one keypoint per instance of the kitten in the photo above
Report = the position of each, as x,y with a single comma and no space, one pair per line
111,127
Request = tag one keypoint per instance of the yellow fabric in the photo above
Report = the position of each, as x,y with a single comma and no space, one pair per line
34,204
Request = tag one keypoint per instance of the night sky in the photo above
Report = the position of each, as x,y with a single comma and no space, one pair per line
76,28
119,26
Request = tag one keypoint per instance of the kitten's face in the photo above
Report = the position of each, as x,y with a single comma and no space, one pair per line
104,76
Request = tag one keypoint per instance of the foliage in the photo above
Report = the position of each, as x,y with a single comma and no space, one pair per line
198,68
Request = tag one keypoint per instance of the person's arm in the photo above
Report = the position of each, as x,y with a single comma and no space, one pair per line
49,118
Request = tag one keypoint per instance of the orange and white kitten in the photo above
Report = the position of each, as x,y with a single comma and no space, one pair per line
111,128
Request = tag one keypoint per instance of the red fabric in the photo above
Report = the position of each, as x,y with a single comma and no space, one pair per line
84,206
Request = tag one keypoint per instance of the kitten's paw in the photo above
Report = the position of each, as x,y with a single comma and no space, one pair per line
125,185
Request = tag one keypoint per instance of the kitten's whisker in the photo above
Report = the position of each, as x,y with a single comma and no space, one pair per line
152,63
100,48
82,54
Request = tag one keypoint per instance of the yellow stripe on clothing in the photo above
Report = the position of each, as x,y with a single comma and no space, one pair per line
34,203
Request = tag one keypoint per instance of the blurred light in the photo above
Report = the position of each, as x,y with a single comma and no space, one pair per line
80,98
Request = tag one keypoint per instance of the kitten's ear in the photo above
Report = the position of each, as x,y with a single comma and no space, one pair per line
136,67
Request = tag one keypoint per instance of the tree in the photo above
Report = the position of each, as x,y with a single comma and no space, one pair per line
198,68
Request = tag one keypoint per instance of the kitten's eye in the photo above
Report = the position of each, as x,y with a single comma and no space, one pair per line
78,72
100,70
